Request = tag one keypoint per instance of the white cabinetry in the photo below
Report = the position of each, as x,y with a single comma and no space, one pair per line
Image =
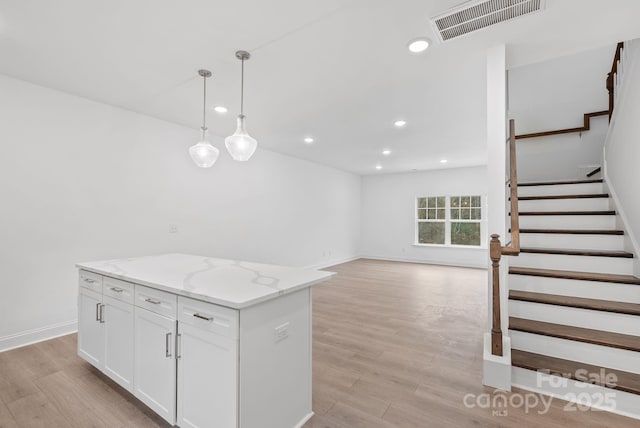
199,364
118,340
155,366
154,345
207,365
105,326
90,331
117,318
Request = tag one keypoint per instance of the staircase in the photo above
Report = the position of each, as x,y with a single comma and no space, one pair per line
574,305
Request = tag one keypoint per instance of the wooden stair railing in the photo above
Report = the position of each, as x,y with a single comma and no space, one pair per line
611,87
585,127
496,249
611,77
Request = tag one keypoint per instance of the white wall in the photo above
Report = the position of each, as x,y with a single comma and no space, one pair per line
82,181
496,370
553,95
622,150
388,214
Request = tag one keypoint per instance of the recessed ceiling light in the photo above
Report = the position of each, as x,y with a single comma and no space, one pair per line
443,161
386,152
400,123
418,45
378,167
220,109
308,140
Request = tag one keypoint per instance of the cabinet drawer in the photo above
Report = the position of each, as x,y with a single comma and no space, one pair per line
91,280
157,301
210,317
118,289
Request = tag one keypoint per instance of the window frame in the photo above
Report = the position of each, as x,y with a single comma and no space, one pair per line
448,221
428,220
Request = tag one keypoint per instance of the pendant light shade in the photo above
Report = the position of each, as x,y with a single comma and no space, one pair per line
241,145
203,153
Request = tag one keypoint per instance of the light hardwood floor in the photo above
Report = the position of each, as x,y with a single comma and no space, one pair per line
395,345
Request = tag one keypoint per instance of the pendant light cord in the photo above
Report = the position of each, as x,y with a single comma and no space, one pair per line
242,89
204,109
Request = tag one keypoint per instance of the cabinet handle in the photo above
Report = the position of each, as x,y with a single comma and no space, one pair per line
101,314
116,289
167,352
153,301
203,317
89,280
98,311
178,346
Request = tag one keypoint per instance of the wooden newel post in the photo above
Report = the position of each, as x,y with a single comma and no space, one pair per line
495,252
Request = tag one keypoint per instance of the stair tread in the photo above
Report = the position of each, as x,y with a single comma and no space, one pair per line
623,381
574,231
576,302
574,252
584,276
606,212
579,334
552,183
580,196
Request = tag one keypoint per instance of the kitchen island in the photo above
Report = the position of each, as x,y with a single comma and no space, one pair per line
204,342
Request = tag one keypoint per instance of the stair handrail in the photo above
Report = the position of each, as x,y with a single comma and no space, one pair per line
496,249
611,77
585,127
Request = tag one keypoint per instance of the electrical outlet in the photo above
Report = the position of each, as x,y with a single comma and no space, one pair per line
282,332
173,228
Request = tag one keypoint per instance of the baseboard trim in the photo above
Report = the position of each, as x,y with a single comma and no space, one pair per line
324,265
304,420
426,262
36,335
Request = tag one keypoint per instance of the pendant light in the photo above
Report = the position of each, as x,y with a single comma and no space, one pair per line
241,145
203,153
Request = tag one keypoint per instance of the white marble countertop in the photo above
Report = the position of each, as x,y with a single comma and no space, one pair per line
231,283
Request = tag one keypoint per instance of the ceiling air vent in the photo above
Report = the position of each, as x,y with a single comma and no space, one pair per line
476,15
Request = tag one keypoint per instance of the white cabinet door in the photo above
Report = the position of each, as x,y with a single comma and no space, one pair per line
117,317
90,327
155,365
207,379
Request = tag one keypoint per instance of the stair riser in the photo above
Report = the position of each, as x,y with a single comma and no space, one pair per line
588,204
616,292
585,318
597,355
581,222
613,265
584,242
561,189
601,398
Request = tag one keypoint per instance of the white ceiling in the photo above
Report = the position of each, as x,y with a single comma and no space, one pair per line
338,70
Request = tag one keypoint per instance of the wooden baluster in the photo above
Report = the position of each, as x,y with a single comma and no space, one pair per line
495,250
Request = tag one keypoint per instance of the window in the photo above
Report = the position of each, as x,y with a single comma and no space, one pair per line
449,220
431,220
466,214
